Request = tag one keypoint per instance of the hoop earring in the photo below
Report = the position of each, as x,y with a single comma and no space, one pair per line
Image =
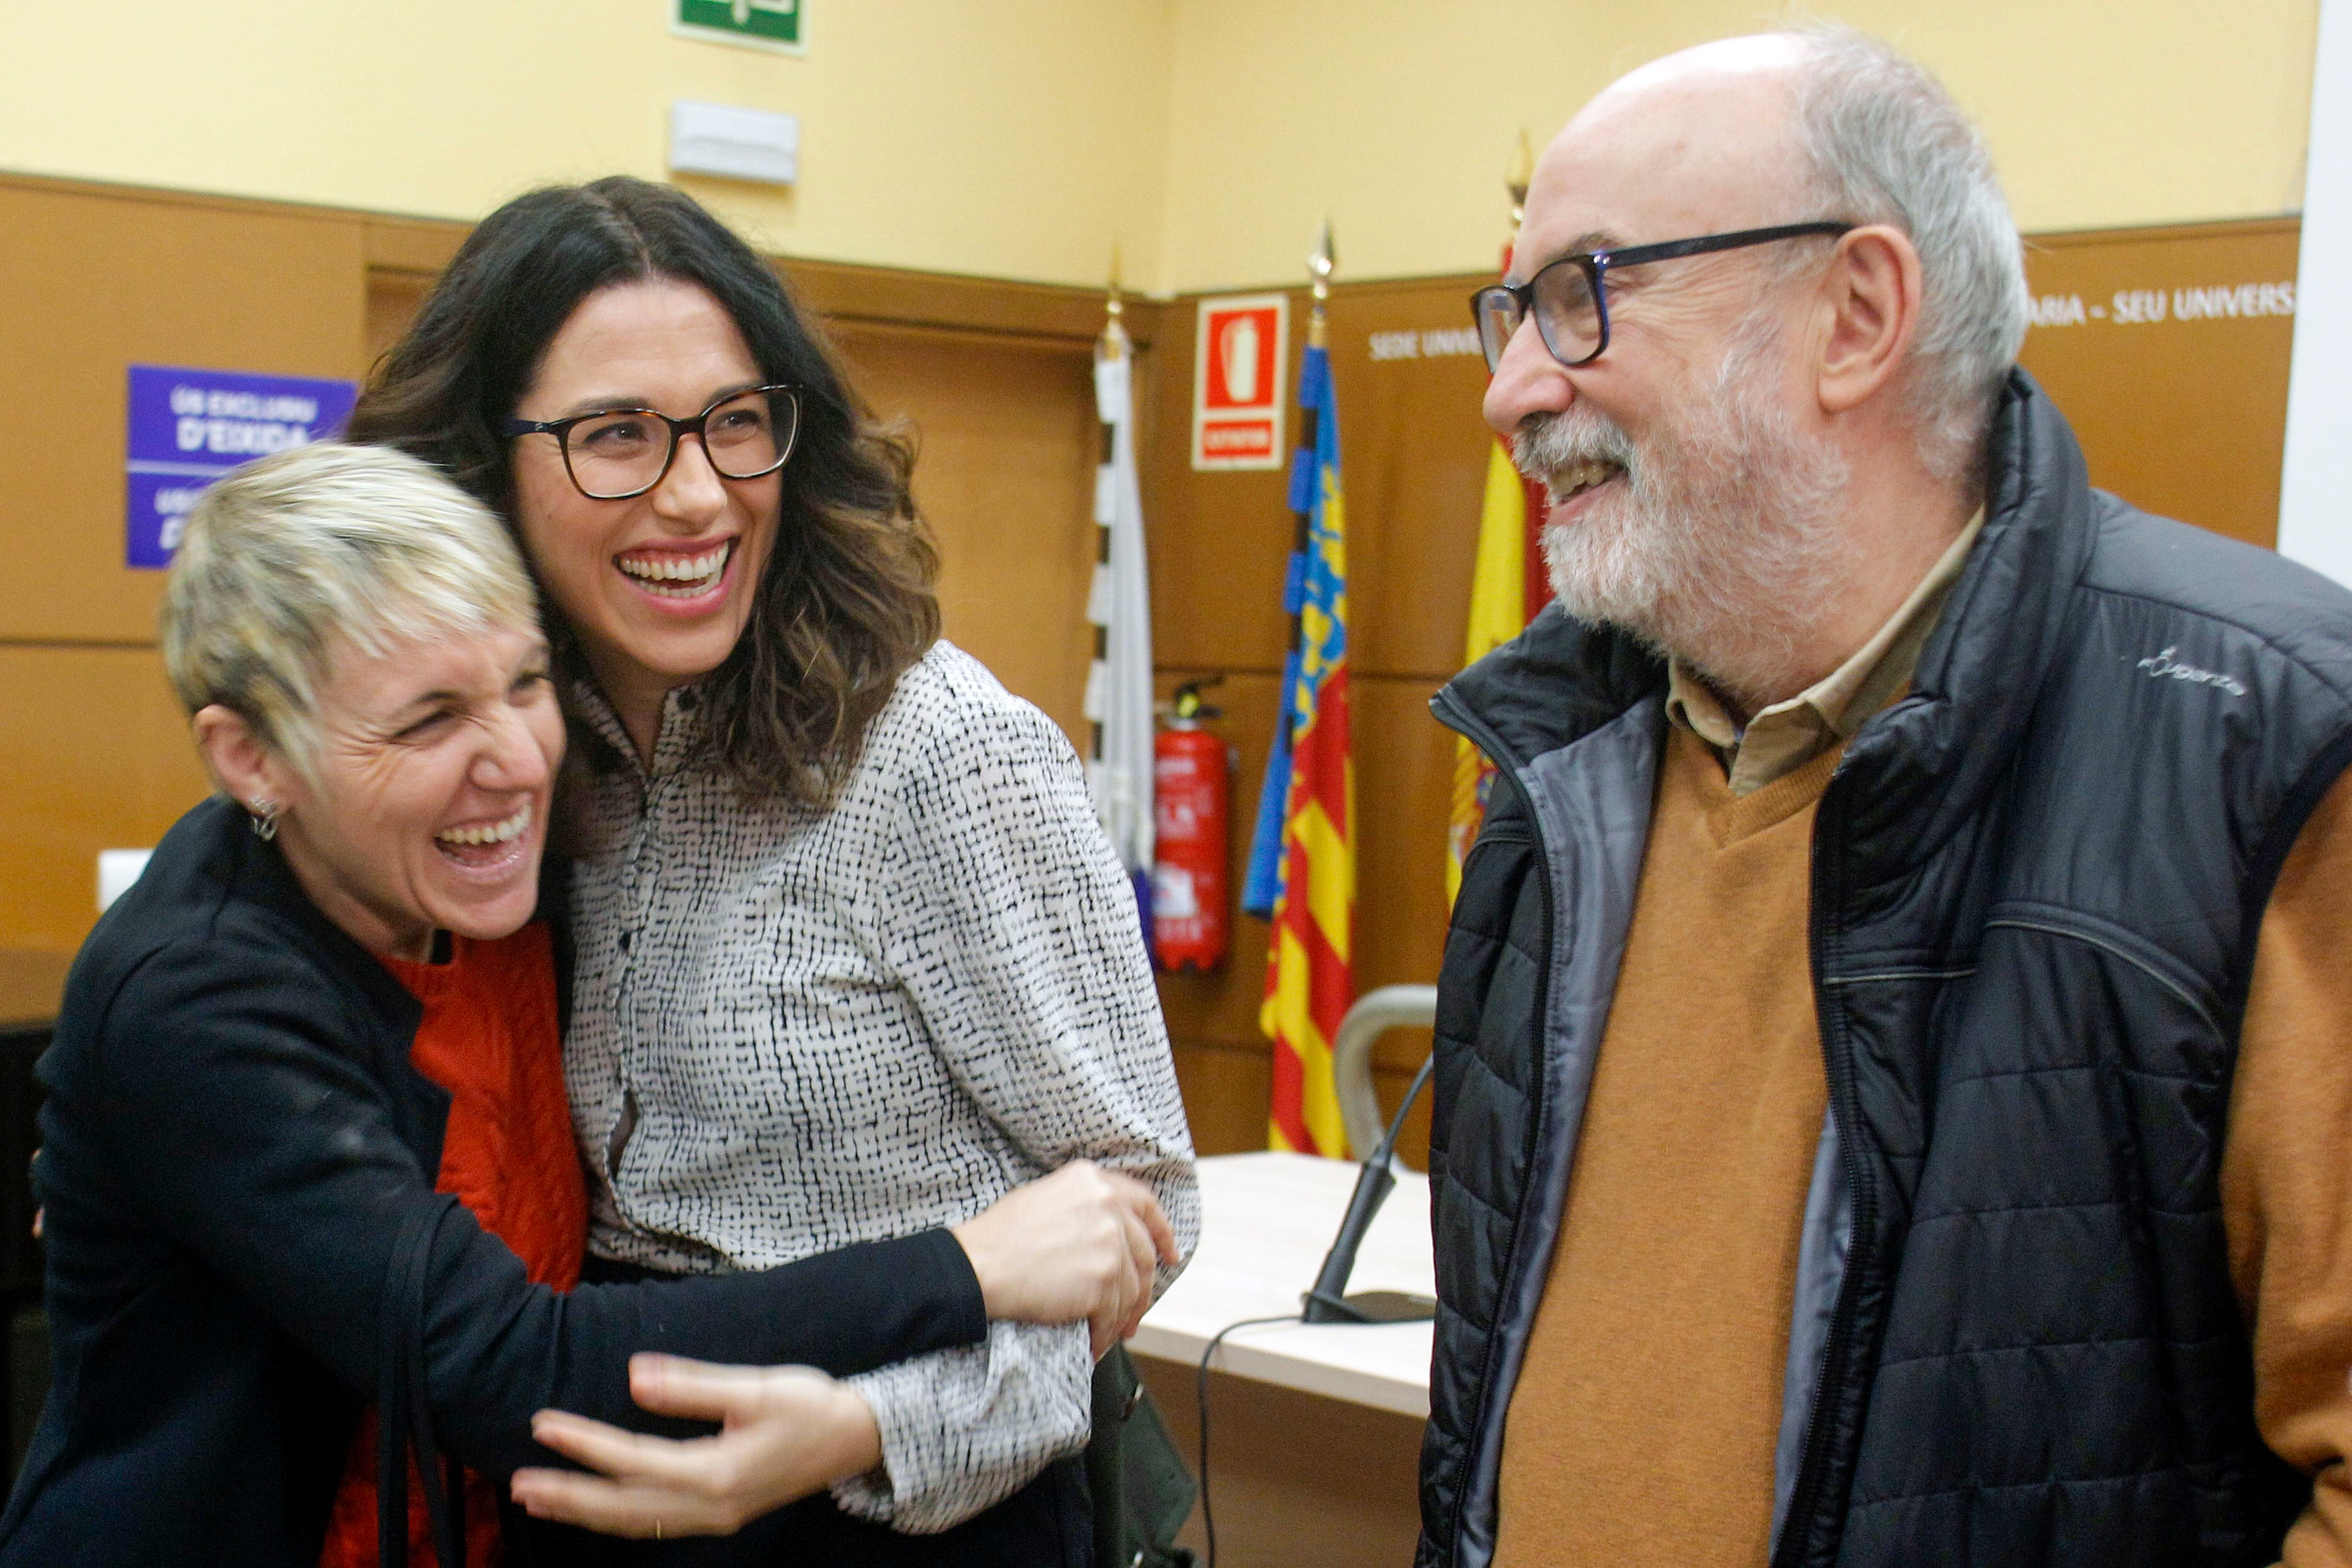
263,818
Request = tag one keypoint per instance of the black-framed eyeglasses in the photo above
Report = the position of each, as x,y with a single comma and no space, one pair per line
616,453
1570,298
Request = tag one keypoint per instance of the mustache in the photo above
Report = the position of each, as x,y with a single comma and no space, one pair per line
1545,443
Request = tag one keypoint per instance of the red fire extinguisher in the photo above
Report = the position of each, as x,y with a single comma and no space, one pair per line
1190,925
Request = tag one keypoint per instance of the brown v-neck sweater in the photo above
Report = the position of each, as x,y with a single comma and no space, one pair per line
1642,1426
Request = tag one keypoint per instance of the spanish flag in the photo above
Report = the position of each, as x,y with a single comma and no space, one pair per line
1309,982
1509,583
1507,586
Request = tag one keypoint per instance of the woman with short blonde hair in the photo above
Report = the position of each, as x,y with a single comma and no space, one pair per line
342,542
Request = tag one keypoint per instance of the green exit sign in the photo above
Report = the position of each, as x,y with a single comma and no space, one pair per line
758,23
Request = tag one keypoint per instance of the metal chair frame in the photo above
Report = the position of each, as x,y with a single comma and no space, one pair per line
1374,1015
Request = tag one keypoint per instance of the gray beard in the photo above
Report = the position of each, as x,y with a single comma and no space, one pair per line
1722,541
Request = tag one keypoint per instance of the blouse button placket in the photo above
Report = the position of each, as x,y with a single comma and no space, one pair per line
636,910
664,796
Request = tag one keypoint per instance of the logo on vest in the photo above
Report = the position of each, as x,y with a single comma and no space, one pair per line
2162,667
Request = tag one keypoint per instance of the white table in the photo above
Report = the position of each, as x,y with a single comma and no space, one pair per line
1267,1220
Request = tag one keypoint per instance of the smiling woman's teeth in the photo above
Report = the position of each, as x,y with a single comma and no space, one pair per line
677,577
505,832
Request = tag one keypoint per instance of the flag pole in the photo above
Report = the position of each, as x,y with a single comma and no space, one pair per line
1119,680
1319,268
1516,180
1114,343
1110,348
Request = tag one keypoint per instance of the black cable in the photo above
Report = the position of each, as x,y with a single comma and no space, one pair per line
1201,1400
1379,1159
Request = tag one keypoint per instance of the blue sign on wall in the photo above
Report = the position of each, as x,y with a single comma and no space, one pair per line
188,427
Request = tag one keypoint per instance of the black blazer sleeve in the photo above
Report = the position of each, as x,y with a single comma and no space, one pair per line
232,1116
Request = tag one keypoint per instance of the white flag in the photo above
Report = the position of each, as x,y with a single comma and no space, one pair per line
1119,685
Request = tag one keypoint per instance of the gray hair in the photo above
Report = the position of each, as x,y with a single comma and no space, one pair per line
292,559
1887,143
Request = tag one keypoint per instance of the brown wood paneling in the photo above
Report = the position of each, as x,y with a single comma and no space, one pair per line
1413,458
1414,453
393,297
188,201
97,283
2183,416
1414,448
32,982
1298,1481
847,293
1224,1090
1219,541
421,245
1008,442
97,758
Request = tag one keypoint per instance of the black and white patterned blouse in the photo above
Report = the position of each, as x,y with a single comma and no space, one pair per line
793,1031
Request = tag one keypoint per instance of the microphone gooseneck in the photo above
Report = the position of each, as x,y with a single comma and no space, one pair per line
1328,1301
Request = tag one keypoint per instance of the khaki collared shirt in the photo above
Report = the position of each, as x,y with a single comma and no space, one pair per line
1787,735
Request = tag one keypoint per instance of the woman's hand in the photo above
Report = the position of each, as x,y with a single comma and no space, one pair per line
1081,1243
787,1431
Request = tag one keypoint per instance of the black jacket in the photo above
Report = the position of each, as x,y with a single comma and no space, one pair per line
2036,885
244,1244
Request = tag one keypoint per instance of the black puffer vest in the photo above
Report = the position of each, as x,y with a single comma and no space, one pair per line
2036,884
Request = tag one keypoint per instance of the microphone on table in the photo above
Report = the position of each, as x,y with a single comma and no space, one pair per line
1328,1301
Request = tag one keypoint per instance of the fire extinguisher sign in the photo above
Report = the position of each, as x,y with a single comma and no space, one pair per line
1238,361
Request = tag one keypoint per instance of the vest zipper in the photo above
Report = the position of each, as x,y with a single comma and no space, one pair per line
1463,722
1837,1349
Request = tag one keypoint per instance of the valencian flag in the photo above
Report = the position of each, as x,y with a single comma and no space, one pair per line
1310,871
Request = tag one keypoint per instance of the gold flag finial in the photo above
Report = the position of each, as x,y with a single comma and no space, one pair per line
1114,343
1516,180
1319,268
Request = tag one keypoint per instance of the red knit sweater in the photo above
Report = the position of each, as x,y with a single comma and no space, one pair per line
488,1037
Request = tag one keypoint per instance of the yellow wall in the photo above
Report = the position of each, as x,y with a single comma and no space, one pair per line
1014,138
1397,118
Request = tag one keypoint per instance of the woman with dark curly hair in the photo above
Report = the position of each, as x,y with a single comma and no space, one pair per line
851,955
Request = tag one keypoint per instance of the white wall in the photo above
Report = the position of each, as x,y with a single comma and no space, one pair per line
1016,139
2315,505
1397,117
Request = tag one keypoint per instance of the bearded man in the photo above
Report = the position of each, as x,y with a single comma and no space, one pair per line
1892,1086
